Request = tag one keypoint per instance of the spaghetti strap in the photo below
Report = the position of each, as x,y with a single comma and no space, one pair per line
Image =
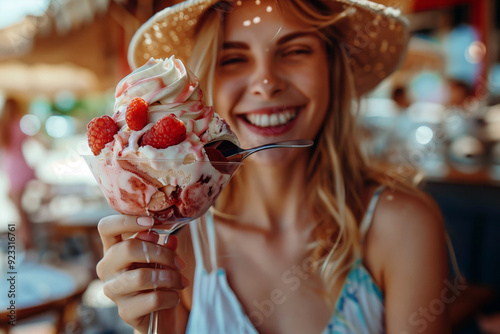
367,219
211,239
196,243
195,235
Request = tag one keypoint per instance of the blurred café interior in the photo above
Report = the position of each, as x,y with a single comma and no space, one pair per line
437,120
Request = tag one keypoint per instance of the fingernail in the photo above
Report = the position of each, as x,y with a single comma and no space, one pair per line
179,263
185,281
171,242
164,276
145,221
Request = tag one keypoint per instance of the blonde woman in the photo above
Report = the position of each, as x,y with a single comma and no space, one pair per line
303,241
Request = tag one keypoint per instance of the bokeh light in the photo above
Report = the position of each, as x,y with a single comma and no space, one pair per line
424,135
30,124
59,126
476,52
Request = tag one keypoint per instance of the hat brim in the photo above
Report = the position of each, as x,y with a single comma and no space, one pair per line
375,37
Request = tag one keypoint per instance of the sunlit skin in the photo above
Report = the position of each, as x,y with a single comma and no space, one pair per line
275,66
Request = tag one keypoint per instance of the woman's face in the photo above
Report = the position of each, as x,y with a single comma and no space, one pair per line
272,78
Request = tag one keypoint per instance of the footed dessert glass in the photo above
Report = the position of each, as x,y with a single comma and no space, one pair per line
173,192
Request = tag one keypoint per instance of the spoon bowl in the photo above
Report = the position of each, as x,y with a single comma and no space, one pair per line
234,153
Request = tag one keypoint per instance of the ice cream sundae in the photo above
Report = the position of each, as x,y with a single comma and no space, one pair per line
150,157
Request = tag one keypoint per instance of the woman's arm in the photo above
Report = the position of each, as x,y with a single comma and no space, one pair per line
410,242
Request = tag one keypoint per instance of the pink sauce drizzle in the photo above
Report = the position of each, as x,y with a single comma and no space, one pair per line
121,89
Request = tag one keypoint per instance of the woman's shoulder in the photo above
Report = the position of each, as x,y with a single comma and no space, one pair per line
404,224
400,211
404,217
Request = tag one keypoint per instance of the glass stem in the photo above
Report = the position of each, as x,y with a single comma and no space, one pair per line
153,317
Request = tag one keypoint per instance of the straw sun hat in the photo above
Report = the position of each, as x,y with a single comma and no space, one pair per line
374,36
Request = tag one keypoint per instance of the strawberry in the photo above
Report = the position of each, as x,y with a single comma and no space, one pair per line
168,131
100,131
137,114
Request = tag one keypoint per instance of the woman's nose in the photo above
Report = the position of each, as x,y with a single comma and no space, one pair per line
267,82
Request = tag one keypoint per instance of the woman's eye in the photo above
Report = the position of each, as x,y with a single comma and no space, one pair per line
232,60
295,52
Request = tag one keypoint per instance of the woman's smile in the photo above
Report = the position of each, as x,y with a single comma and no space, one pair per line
271,121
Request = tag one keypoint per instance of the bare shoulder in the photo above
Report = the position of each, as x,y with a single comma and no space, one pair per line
404,217
407,228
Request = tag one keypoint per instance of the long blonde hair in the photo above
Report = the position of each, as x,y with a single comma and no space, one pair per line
337,173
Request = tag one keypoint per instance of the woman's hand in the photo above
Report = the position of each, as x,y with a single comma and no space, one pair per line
128,270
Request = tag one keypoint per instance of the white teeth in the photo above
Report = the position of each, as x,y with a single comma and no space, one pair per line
252,118
264,120
276,119
282,119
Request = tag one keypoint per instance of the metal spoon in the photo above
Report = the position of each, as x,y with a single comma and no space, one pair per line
236,154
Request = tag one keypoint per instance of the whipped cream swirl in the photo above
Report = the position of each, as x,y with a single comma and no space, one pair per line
168,87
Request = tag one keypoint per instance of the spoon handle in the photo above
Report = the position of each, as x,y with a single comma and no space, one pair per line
289,144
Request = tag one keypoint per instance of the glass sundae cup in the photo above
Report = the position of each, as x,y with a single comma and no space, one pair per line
173,192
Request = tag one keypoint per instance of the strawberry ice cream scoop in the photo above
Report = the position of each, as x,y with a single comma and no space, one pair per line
149,157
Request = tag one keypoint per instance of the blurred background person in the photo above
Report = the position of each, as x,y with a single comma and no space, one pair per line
18,172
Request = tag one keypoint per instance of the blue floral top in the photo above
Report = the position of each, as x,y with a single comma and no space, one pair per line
360,305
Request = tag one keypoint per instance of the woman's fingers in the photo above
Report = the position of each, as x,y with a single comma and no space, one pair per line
138,271
133,308
112,228
123,254
149,236
144,279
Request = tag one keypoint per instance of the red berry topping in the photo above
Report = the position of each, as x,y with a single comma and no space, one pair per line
168,131
137,114
100,131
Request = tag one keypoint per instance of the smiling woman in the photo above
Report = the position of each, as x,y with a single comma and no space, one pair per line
302,241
